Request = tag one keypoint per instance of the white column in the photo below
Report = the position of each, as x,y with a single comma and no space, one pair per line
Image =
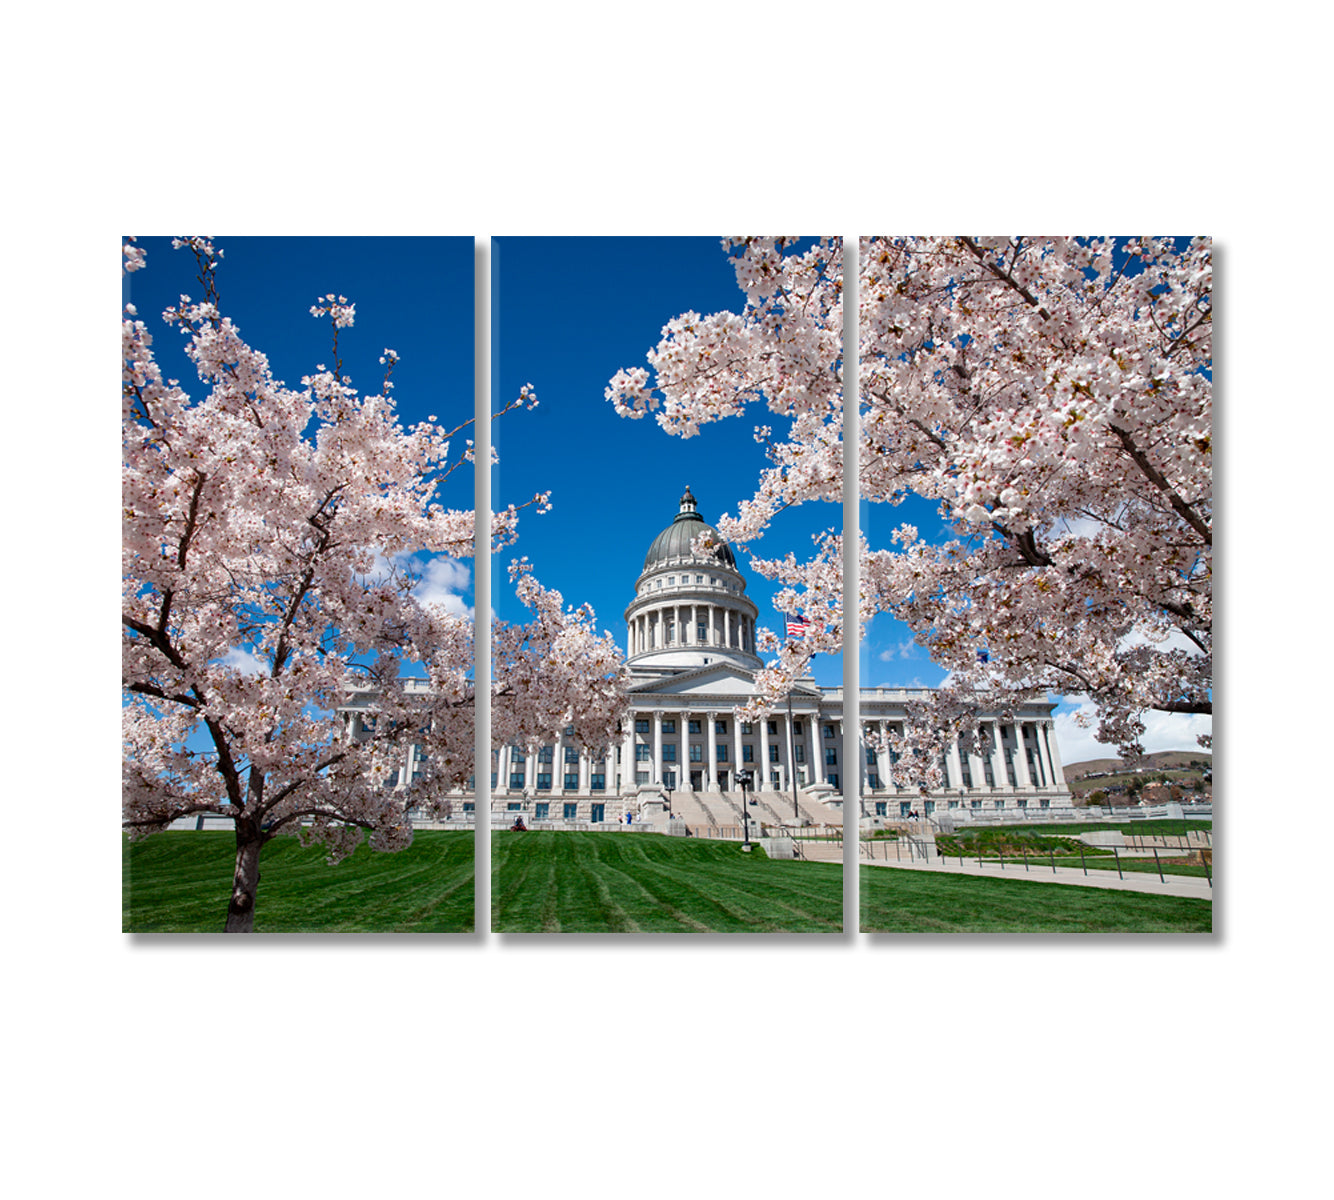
1044,756
882,764
817,749
764,753
791,757
737,764
953,772
683,778
713,624
530,769
1020,758
583,772
1001,781
977,770
503,769
657,746
627,754
712,785
558,765
1053,754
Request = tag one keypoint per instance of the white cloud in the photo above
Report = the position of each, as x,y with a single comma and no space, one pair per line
901,650
1162,731
443,580
243,660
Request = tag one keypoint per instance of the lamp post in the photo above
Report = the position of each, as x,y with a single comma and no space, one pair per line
743,778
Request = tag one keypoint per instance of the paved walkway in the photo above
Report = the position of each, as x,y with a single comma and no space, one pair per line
1170,885
1037,872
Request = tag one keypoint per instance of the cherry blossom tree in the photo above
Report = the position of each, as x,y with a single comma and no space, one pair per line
269,542
1052,396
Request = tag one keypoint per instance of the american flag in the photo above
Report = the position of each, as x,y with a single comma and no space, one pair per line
798,627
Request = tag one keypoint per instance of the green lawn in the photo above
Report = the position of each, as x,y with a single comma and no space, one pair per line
894,901
179,882
547,882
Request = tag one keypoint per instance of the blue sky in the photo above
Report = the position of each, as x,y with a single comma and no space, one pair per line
567,313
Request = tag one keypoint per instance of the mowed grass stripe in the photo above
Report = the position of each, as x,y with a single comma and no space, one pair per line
894,901
616,882
179,882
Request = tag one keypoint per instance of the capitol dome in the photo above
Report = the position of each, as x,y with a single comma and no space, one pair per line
690,608
674,543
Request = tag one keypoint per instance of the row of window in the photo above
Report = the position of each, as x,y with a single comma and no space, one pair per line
714,581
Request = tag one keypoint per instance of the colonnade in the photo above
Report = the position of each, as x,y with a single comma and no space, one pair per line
681,625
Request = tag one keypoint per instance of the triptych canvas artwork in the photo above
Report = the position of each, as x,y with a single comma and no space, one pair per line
673,640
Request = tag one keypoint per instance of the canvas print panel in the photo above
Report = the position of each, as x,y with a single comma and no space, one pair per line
668,757
1036,505
297,650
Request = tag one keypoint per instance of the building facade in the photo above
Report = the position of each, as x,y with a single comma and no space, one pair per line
690,646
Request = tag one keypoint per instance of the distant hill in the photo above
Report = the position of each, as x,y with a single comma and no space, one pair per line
1161,761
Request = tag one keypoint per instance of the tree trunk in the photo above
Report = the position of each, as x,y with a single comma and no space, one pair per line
245,881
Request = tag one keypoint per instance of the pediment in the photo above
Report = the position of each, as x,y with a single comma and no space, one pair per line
722,679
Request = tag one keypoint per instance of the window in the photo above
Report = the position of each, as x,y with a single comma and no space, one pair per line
796,728
747,753
873,781
641,776
571,754
546,754
773,727
829,731
569,811
597,812
746,727
701,633
833,780
644,754
722,751
799,752
881,808
516,757
641,725
469,806
699,578
1023,803
597,782
720,727
516,779
975,804
669,726
544,781
696,752
571,781
870,756
692,726
1044,803
905,807
541,810
669,754
513,806
830,756
773,753
671,580
1000,803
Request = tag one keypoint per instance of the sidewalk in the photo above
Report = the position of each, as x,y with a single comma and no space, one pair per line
1171,885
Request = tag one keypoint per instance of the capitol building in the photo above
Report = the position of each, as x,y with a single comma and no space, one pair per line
691,653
